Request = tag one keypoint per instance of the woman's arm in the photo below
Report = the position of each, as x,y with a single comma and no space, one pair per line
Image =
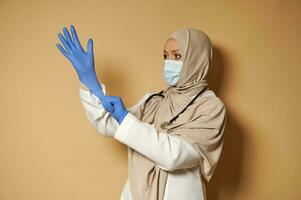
168,151
98,117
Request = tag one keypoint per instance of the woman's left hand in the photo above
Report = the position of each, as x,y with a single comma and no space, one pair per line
82,61
115,106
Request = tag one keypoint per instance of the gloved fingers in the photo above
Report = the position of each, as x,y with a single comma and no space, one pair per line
75,38
108,106
68,37
63,50
113,99
66,45
116,100
90,46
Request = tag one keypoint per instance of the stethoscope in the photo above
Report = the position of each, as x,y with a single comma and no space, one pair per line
165,124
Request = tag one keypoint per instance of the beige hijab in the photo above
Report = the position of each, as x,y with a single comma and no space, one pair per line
202,124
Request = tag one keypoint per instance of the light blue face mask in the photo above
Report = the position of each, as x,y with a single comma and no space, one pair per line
172,71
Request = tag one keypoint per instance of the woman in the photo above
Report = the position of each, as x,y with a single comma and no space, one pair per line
174,137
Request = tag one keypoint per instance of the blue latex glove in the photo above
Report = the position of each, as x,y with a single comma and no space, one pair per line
83,62
117,108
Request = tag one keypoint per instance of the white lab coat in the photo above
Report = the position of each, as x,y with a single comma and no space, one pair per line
169,153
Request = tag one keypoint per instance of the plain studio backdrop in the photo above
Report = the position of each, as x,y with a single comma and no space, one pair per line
48,149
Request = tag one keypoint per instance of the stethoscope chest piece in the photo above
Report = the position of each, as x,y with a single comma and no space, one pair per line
164,125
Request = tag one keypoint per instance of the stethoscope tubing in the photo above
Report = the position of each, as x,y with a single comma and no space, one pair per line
164,124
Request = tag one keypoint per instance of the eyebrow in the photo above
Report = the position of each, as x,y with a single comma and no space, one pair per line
173,50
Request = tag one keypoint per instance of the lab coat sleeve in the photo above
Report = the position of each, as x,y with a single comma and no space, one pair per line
167,151
98,117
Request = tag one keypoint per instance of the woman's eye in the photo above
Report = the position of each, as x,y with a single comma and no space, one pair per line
164,56
178,56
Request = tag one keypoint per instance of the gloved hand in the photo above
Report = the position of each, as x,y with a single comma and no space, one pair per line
116,107
82,61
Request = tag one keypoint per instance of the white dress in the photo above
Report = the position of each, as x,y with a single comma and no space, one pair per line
170,153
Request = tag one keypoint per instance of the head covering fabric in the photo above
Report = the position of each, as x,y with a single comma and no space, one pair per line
202,124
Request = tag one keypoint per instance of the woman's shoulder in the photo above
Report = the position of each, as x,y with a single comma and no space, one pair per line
207,107
210,94
209,97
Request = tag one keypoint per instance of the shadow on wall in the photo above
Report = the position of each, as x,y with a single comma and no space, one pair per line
226,181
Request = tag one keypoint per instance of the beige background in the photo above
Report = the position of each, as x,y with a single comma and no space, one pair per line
48,149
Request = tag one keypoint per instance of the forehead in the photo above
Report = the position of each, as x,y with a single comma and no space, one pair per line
171,44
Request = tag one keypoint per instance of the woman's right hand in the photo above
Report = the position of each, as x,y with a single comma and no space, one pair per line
82,61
